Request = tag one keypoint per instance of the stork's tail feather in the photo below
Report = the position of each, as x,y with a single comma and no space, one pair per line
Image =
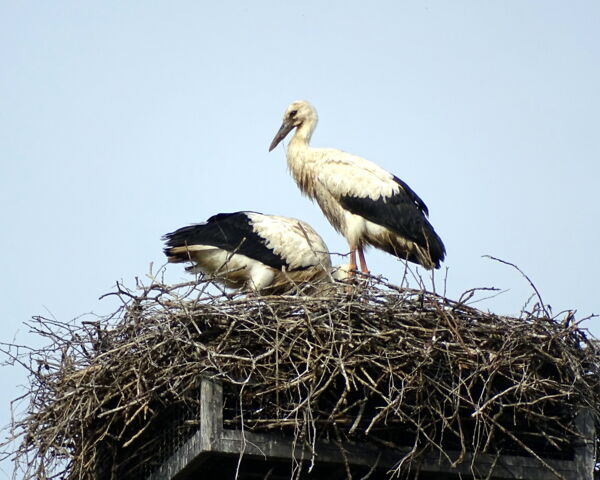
430,251
183,244
177,254
428,256
435,249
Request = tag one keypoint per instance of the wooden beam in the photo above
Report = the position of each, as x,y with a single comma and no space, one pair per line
212,439
585,447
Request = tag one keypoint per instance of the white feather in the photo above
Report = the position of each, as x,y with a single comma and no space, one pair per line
295,241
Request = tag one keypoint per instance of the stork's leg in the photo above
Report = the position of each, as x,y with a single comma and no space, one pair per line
352,265
363,262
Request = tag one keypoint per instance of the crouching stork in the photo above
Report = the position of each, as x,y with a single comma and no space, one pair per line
250,250
362,201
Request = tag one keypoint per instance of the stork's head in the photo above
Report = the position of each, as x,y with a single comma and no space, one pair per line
297,114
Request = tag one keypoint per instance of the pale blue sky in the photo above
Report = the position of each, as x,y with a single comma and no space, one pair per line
121,121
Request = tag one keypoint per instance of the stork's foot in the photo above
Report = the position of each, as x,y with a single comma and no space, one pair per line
356,278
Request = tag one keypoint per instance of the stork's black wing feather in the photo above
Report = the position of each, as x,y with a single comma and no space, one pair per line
403,213
230,231
412,195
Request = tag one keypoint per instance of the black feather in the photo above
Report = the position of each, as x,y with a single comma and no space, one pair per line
404,214
230,231
412,195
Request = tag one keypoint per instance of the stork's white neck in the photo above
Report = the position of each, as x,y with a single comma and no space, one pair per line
303,134
299,159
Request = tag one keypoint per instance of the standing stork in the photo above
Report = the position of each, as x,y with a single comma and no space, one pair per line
361,200
252,250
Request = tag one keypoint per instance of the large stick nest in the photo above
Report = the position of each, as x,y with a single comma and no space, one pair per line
398,367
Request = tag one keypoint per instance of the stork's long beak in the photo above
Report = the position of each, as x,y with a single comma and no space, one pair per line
286,127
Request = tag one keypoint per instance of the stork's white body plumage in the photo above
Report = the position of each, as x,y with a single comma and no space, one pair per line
251,250
364,202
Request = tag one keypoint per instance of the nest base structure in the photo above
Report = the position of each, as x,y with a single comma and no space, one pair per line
234,453
377,382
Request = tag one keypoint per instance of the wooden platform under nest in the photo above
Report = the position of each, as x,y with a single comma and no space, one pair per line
427,381
216,452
